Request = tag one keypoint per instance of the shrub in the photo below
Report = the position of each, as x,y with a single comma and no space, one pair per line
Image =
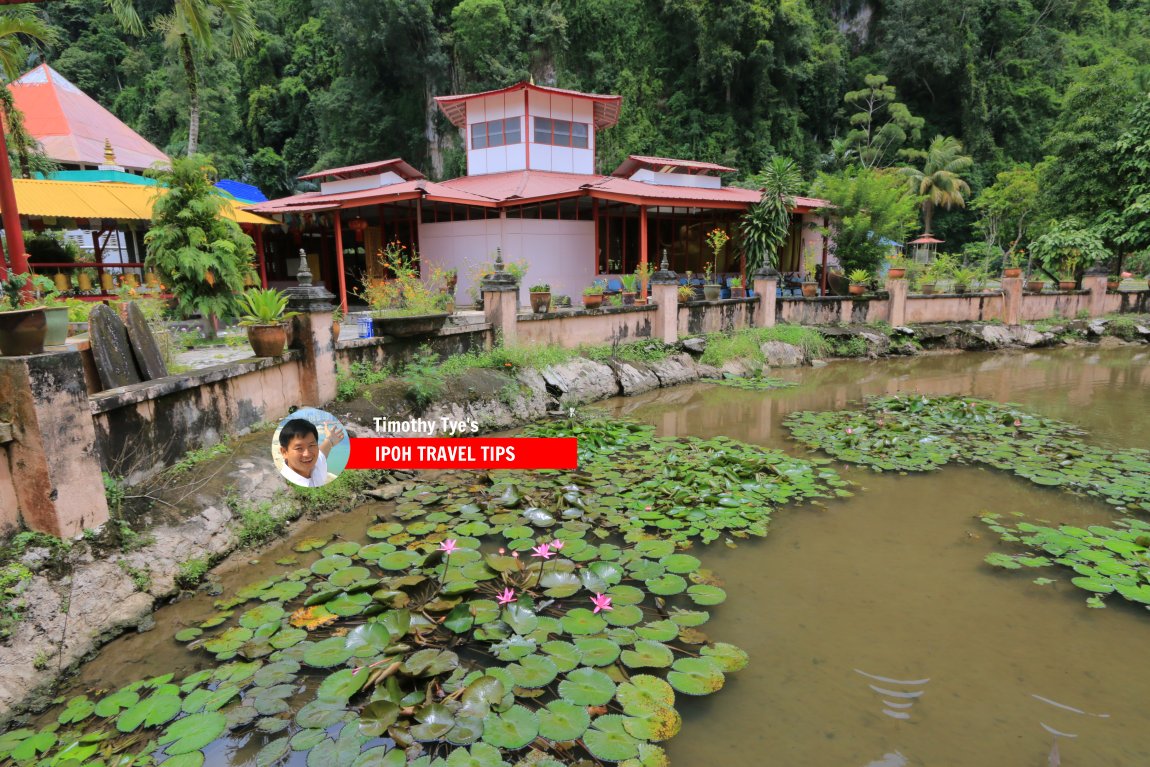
192,572
423,378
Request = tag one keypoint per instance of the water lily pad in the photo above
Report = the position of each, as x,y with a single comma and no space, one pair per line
564,655
581,621
306,740
587,687
624,615
609,740
648,654
522,620
702,594
512,729
329,565
689,618
376,717
680,564
563,721
327,653
337,688
696,676
644,693
728,657
597,652
624,594
193,732
430,662
534,671
258,616
667,584
370,637
151,712
272,753
111,705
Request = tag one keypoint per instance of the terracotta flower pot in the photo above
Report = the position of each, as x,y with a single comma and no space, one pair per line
1012,272
267,340
1067,284
628,299
1035,286
738,292
959,288
896,273
593,302
857,290
22,332
928,288
540,302
810,290
335,328
1112,285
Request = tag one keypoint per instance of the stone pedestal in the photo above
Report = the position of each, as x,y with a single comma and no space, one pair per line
1012,300
766,287
312,336
52,459
666,297
501,303
897,290
1096,284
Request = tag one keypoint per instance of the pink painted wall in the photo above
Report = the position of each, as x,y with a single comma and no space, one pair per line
572,330
972,308
560,253
715,317
1067,305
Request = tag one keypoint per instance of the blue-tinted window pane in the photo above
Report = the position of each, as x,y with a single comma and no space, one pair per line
562,133
542,130
479,136
579,135
511,130
495,133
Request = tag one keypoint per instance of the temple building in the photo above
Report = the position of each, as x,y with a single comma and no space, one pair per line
531,193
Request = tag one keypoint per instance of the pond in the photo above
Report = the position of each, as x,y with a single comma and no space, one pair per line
877,633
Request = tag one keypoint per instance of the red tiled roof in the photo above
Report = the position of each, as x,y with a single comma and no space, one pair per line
72,127
397,164
660,164
606,110
926,239
522,184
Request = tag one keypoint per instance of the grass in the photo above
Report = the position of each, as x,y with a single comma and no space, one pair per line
12,576
338,495
649,350
194,458
141,578
258,522
192,572
747,344
358,377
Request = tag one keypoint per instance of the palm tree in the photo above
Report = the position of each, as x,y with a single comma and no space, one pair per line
20,25
939,182
187,29
766,226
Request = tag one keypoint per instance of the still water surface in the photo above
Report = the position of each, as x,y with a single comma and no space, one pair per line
890,583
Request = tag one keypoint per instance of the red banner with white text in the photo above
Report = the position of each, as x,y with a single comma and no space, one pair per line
508,453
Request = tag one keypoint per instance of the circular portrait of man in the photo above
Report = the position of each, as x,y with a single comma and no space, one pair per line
310,448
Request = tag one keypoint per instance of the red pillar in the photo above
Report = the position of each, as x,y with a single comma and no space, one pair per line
826,223
10,213
595,247
260,257
643,246
339,261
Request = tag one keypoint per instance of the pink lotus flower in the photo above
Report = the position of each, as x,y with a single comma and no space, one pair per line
557,545
601,602
543,551
515,554
850,430
1017,422
448,546
506,597
502,551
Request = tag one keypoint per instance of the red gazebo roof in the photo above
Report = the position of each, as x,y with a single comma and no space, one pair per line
926,239
399,166
606,109
665,165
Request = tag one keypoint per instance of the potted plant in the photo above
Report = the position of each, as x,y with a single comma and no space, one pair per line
897,266
1035,284
963,277
46,296
22,326
810,270
592,296
686,293
560,301
540,298
336,322
1068,274
405,305
630,282
716,238
737,288
1012,264
858,279
938,270
264,315
711,289
1112,283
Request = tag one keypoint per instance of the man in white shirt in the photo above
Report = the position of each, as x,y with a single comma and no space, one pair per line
305,458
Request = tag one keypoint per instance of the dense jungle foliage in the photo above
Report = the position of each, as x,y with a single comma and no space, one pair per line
1047,92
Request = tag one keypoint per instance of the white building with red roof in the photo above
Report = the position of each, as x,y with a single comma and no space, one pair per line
531,192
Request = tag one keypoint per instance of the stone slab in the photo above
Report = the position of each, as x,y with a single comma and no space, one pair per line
149,359
111,351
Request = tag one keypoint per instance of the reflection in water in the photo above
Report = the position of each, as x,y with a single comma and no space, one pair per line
893,581
896,709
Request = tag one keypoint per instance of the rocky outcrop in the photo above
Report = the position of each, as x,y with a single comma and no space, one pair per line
783,355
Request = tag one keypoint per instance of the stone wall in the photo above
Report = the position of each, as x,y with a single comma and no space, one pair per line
948,307
716,316
147,427
577,327
387,351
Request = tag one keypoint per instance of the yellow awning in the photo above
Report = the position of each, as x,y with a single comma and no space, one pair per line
103,200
